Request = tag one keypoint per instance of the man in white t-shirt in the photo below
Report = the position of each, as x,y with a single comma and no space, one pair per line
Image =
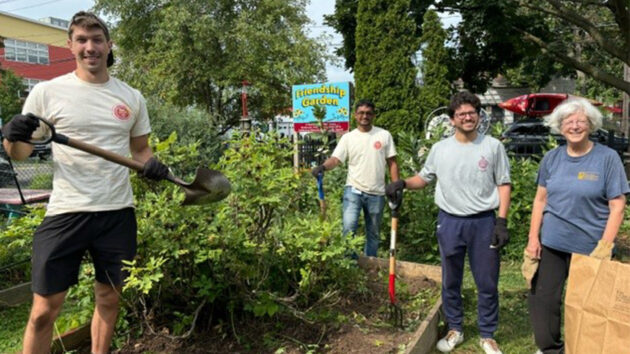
370,152
91,206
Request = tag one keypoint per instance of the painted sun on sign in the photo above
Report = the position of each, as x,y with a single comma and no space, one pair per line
333,96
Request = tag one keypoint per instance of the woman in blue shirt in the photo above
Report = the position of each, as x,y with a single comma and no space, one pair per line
578,208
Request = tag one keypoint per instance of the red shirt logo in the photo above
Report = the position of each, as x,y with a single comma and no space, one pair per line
483,163
121,112
378,145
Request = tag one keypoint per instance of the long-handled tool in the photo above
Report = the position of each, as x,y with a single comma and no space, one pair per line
320,193
395,311
207,187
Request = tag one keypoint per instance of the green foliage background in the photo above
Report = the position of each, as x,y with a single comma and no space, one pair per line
384,72
198,52
10,87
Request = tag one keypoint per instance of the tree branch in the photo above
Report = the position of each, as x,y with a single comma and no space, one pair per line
621,11
574,18
596,72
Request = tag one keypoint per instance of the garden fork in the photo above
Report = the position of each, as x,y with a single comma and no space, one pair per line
395,311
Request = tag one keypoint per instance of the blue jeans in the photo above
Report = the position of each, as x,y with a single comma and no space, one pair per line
372,206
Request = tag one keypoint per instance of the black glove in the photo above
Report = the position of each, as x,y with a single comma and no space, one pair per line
316,171
500,236
394,191
20,127
154,169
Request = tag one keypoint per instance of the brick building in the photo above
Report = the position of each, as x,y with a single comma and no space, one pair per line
35,50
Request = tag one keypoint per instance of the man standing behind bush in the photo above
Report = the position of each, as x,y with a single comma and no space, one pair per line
473,179
369,151
91,206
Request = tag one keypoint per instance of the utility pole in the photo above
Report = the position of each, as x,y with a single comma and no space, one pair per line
246,123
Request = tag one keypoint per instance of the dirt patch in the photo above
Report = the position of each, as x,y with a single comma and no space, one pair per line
360,325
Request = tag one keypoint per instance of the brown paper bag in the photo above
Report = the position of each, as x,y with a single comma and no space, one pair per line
597,307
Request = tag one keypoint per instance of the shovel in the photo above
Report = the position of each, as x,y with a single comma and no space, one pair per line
320,193
207,187
395,311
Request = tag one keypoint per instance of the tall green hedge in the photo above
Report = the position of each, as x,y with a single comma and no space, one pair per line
384,71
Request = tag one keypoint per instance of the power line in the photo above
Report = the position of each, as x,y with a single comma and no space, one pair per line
6,1
36,5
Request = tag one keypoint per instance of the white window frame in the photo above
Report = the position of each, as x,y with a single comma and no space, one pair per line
26,52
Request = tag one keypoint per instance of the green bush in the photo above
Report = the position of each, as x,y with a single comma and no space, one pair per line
191,125
262,251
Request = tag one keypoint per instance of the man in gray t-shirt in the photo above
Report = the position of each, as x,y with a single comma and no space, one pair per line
473,180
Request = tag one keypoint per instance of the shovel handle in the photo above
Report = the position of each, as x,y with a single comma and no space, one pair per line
106,154
320,186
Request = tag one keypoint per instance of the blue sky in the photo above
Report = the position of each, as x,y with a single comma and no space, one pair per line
64,9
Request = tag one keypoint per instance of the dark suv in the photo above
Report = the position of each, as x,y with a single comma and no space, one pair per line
528,137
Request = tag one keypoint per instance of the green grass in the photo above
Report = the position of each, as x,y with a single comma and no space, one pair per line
12,328
14,321
514,334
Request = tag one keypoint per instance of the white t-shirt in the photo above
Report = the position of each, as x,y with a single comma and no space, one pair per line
105,115
367,155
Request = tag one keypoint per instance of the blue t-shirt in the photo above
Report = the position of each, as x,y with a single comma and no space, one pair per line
578,191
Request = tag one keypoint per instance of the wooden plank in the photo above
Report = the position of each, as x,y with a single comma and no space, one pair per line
71,340
423,340
403,268
17,295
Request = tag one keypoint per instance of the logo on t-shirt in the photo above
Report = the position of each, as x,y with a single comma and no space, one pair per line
121,112
378,145
483,164
588,176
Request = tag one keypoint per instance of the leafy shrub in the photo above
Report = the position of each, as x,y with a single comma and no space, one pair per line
262,251
191,125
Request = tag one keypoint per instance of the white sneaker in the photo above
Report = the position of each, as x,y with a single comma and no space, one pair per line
489,346
452,339
539,352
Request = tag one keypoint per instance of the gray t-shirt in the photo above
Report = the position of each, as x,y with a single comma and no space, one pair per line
467,174
578,191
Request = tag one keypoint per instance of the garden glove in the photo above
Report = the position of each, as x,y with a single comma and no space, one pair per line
603,250
529,268
154,169
394,191
20,127
500,236
316,171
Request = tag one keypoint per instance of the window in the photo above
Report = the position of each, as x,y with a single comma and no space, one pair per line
28,86
26,52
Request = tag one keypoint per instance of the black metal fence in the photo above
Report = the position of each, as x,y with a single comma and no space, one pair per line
314,151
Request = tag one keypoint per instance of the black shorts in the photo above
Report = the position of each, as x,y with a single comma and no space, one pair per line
60,242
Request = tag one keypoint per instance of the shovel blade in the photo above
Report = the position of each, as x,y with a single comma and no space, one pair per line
209,186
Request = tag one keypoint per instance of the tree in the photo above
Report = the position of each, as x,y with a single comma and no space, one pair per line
436,89
10,87
344,21
592,37
198,52
384,72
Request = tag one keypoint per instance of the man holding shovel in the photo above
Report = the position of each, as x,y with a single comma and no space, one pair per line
473,179
91,206
369,151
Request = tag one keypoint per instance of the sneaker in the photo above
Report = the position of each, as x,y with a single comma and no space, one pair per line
452,339
489,346
539,352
